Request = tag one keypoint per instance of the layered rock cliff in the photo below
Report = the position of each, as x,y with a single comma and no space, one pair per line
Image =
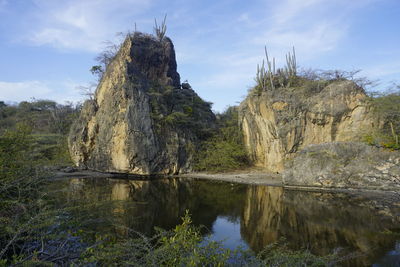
278,123
140,120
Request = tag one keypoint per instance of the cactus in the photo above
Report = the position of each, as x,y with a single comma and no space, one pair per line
160,30
284,77
271,68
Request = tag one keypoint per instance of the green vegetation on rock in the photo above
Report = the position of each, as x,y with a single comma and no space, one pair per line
181,109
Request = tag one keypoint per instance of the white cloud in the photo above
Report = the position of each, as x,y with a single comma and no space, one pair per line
26,90
286,11
312,26
383,70
309,42
83,25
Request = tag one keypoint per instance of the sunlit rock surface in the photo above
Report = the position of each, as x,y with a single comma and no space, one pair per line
278,123
140,120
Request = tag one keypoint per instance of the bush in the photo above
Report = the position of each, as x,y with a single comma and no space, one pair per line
386,107
225,150
185,246
21,196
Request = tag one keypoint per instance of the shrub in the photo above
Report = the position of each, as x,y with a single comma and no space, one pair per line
225,150
185,246
22,213
386,107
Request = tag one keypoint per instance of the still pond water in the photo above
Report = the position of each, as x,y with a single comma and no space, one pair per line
252,216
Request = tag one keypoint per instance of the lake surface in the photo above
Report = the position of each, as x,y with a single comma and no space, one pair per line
246,215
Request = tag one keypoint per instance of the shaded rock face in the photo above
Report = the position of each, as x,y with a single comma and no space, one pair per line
276,124
343,165
140,121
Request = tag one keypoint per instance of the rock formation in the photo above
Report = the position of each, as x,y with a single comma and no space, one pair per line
280,122
344,164
140,120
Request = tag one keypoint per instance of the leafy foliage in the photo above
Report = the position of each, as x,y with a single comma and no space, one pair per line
22,210
43,116
185,246
49,124
387,108
225,149
180,108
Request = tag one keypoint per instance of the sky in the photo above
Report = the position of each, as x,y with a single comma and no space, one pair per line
47,47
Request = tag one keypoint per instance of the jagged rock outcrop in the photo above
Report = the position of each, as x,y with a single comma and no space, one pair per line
343,165
140,120
278,123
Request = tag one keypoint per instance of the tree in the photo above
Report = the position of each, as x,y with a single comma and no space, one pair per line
88,90
98,71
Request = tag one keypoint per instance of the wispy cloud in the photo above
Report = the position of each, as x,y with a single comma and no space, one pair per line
22,91
82,25
218,43
312,26
389,69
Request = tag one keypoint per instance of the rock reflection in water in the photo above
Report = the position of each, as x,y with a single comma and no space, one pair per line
320,222
143,205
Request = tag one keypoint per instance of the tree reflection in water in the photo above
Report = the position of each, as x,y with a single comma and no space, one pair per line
320,222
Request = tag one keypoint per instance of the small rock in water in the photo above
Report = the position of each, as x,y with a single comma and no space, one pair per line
68,170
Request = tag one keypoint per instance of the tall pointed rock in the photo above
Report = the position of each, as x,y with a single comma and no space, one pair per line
140,120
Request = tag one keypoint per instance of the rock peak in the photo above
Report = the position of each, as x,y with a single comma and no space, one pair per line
140,120
152,58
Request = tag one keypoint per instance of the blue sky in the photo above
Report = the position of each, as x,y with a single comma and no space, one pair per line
48,46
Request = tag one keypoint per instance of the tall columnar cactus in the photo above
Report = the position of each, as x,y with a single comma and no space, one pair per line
261,76
291,66
160,30
271,68
267,78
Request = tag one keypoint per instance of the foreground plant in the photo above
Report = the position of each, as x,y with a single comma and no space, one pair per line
185,246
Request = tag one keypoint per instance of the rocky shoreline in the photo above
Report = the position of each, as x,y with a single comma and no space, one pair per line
250,177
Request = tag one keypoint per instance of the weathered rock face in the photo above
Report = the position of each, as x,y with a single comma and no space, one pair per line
276,124
343,165
140,121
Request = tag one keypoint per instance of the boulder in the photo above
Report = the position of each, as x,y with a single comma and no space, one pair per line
344,165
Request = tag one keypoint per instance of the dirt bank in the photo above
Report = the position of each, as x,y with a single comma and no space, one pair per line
252,177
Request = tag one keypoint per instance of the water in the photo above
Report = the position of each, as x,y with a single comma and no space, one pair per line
249,216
